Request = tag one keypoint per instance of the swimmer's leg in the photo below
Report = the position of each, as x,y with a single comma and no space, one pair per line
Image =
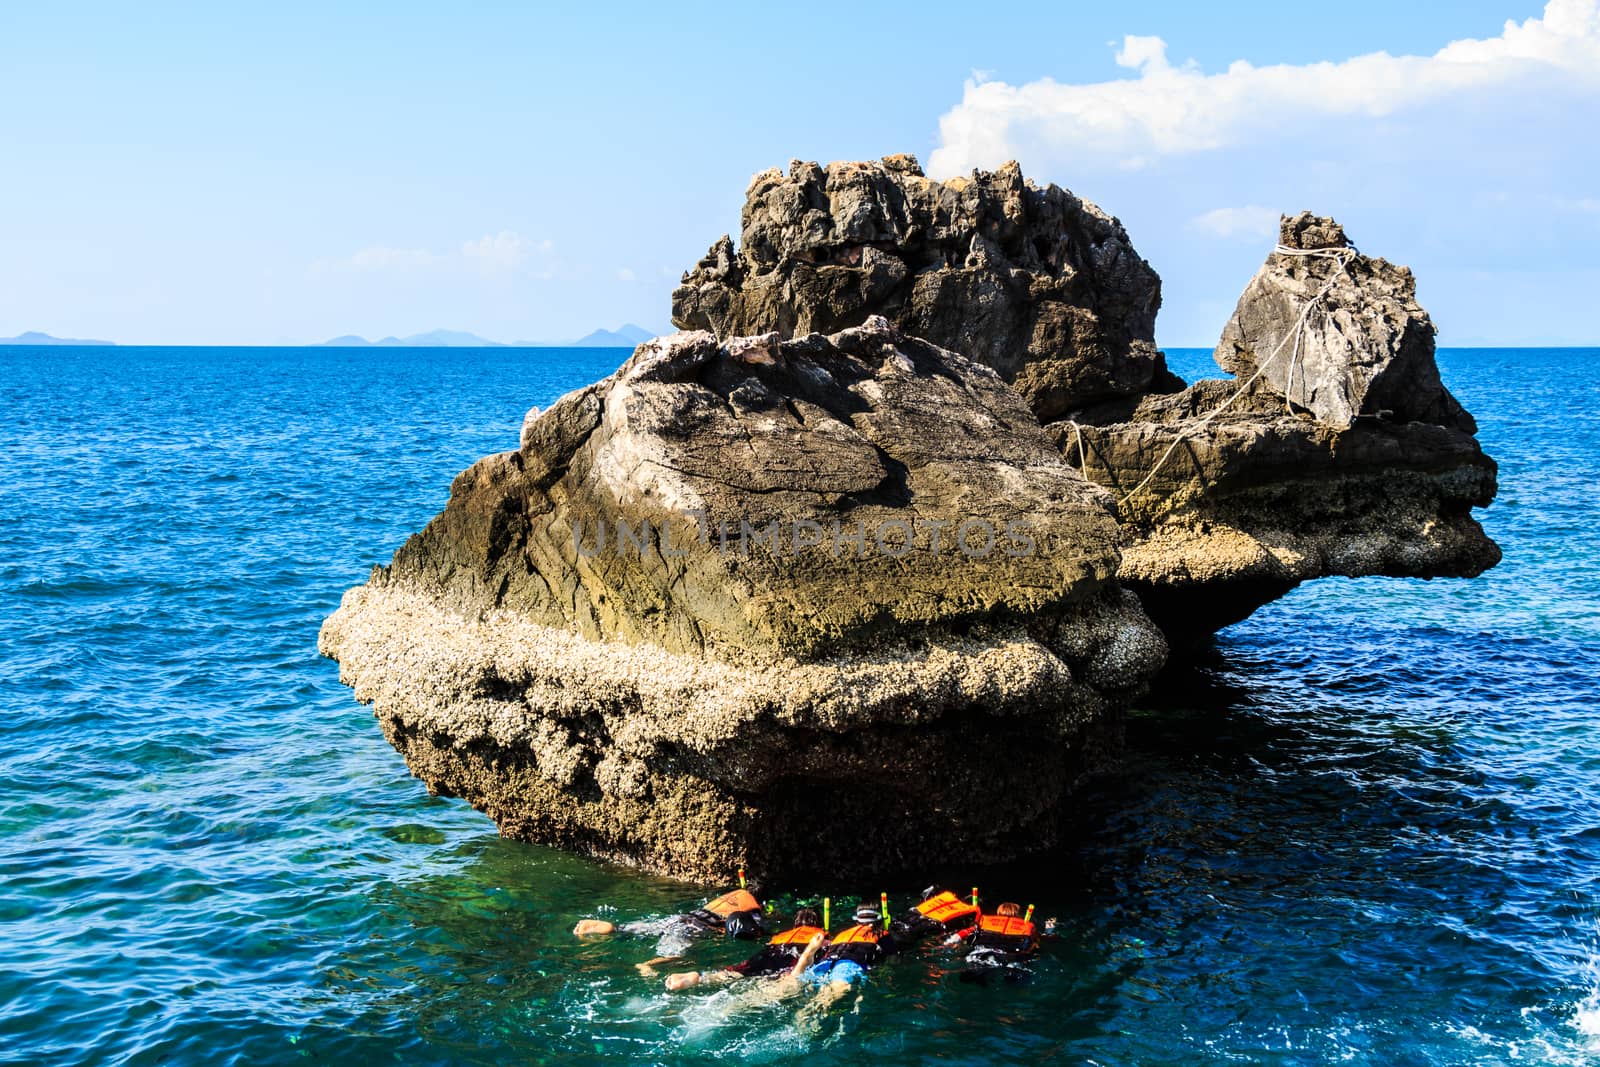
808,1020
647,969
699,980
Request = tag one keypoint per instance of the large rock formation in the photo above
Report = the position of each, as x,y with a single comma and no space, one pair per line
1036,283
1343,455
841,603
1336,450
836,590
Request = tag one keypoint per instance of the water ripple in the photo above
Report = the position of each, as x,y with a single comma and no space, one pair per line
1364,829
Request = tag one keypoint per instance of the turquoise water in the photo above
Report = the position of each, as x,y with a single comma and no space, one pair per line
1365,829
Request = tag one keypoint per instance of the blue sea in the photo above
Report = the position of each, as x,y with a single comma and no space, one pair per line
1364,828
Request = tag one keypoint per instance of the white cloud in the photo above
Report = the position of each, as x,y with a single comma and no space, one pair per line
381,257
491,254
1168,110
1251,221
625,274
498,252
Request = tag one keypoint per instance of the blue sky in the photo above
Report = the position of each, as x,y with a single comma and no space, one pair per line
288,172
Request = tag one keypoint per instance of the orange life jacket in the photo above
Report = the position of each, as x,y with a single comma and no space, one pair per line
857,934
946,908
1005,926
800,935
1020,932
728,903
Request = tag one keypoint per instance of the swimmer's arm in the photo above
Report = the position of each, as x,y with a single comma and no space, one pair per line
960,936
593,928
808,956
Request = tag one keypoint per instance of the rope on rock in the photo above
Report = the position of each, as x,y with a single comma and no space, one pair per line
1342,256
1083,453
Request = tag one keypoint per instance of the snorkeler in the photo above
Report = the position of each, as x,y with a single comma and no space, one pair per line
833,964
776,958
940,912
830,965
1001,944
736,914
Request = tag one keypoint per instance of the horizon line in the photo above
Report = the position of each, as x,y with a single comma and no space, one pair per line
96,343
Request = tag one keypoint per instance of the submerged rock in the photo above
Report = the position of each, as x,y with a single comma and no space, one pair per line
1040,285
835,590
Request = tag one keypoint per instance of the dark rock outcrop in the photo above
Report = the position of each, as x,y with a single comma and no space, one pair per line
1345,455
861,601
1040,285
1251,501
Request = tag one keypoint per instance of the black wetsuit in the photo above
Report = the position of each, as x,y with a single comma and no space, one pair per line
677,932
915,926
995,955
772,960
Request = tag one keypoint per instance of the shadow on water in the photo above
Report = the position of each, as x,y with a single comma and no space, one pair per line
1335,837
478,960
1285,867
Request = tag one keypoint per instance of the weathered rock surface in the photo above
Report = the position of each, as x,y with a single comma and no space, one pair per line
1345,456
1040,285
1352,460
1252,501
841,603
742,669
1363,349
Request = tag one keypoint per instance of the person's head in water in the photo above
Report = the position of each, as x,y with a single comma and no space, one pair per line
743,925
868,915
1008,910
807,917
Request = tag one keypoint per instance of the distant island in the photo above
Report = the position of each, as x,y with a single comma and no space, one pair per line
431,339
625,336
34,337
